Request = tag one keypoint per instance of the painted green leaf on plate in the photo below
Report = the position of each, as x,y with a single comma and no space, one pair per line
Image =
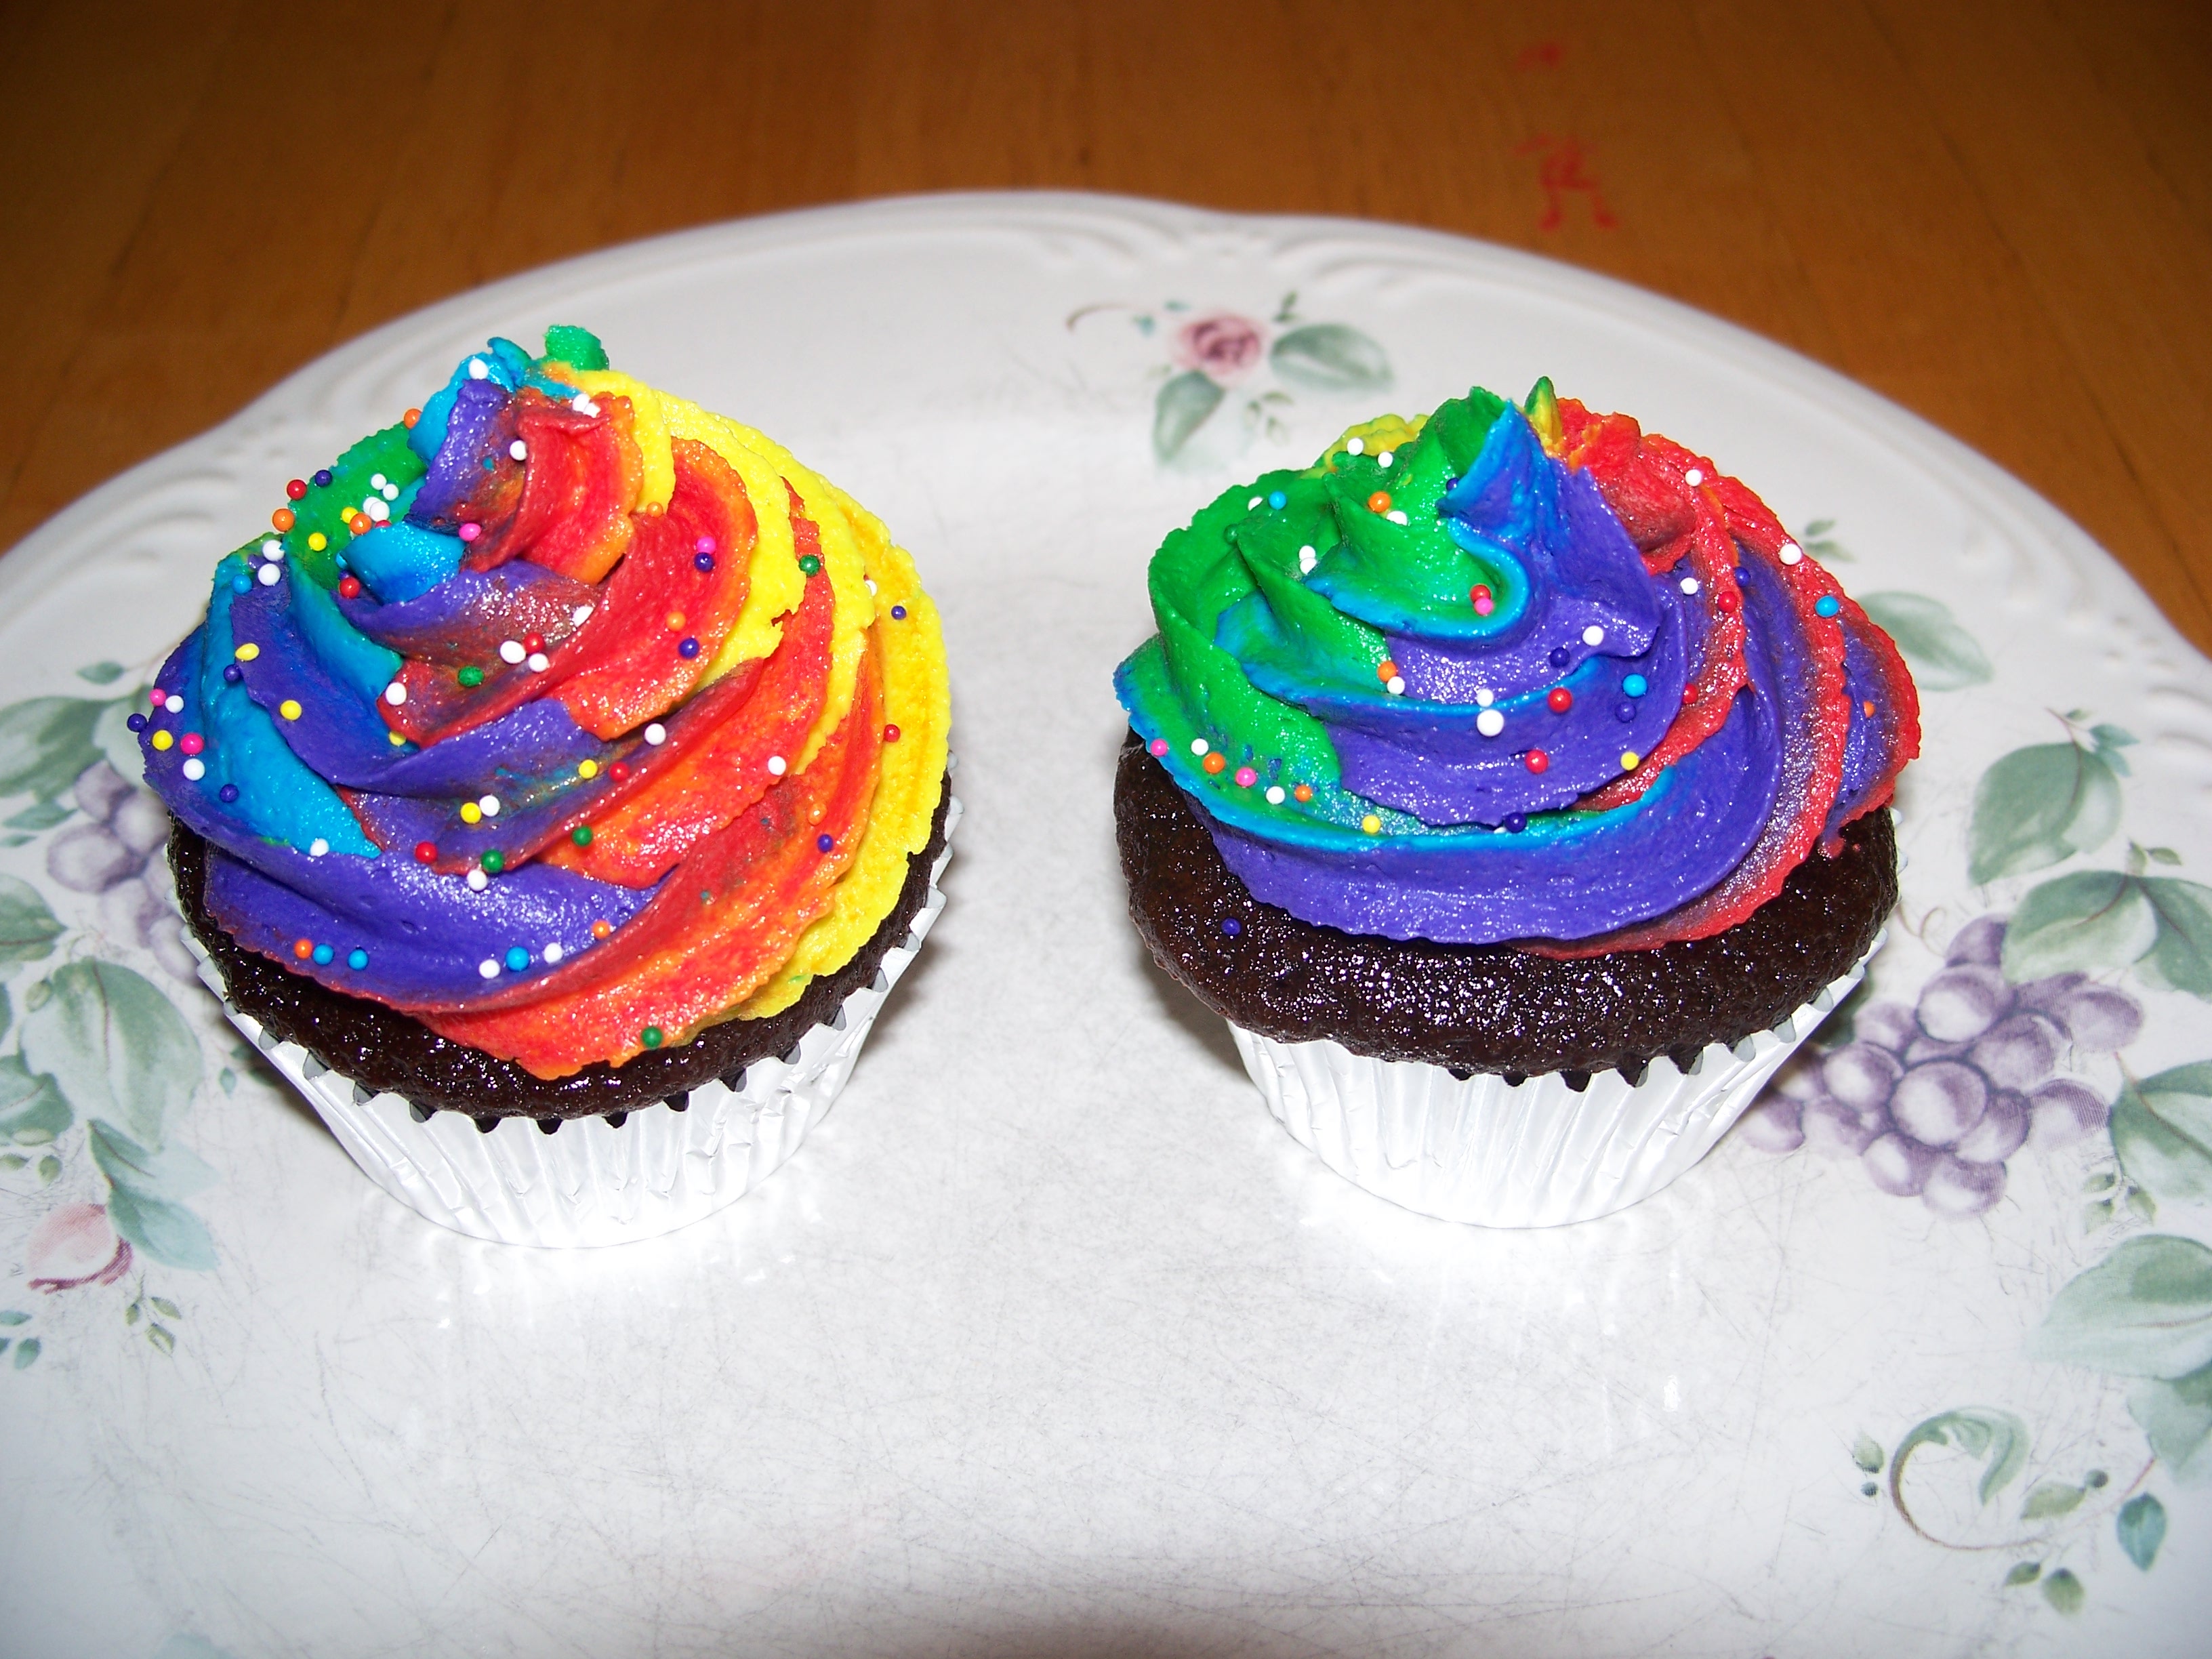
45,743
32,1110
112,737
2175,1416
1997,1438
144,1187
2144,1310
2162,1132
2181,957
1182,406
2063,1591
28,927
40,815
1943,656
2076,924
2142,1528
2047,1498
116,1046
1331,357
2039,806
2023,1572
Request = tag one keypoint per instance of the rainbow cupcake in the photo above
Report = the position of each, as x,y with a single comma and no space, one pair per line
559,785
1511,780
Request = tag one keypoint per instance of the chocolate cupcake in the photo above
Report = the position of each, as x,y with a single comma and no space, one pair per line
1512,783
559,785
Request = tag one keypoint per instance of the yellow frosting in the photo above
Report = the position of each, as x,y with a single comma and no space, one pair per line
917,699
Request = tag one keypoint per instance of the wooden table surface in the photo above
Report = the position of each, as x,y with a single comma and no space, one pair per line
1998,212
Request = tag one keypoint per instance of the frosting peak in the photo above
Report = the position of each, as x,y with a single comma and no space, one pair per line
559,715
1512,673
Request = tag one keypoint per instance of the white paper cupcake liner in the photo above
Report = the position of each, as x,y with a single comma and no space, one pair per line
1538,1154
591,1183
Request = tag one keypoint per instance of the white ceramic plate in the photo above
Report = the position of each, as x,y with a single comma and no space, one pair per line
1050,1339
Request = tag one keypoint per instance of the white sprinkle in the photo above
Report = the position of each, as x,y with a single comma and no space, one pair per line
1693,477
317,847
539,662
1484,697
377,481
1254,502
478,369
478,881
194,769
270,575
511,651
1490,722
582,403
1791,553
390,492
1355,446
554,952
489,967
871,581
1198,745
1593,635
656,734
1386,458
1396,515
395,694
489,805
1274,794
775,764
1689,584
175,704
272,549
1396,687
1307,560
519,450
581,615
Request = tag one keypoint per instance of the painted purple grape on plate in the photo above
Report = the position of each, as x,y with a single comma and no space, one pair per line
1935,1097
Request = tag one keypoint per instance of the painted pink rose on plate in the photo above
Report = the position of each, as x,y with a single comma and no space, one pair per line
74,1246
1224,346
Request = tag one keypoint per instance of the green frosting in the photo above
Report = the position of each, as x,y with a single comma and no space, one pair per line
326,506
1233,592
579,348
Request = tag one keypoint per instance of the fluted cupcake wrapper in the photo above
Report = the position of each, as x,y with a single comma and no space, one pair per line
1534,1154
590,1181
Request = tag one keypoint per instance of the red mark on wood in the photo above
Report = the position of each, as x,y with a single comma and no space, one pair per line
1544,54
1564,171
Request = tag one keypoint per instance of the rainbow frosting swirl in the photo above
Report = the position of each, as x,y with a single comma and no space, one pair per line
564,716
1513,674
